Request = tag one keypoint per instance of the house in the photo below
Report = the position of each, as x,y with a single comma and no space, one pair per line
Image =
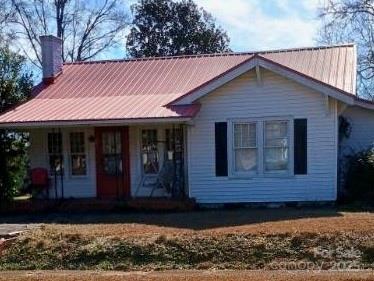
220,128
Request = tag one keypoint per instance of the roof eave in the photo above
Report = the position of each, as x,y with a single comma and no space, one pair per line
96,123
364,103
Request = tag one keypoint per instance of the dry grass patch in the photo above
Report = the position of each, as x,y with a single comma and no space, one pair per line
238,239
188,276
48,249
277,221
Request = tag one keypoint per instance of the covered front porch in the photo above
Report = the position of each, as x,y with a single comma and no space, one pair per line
111,161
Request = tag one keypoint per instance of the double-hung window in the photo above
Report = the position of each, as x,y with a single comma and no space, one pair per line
245,147
78,161
55,156
276,146
260,147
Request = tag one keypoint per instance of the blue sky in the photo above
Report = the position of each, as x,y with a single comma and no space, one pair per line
266,24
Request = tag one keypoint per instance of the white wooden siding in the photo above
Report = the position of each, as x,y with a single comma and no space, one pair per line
362,134
277,96
74,186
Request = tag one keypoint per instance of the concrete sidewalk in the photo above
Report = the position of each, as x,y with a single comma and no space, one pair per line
8,229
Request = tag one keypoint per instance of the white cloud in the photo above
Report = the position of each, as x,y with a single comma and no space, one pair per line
252,25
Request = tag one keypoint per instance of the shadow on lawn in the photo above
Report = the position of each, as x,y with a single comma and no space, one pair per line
194,220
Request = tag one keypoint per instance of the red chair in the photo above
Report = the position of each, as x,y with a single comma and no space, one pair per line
40,180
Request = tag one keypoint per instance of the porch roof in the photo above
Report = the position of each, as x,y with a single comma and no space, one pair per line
148,88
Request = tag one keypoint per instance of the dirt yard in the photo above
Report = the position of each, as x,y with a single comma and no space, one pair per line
188,276
267,222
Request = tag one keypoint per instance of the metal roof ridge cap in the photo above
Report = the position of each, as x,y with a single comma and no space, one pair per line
282,50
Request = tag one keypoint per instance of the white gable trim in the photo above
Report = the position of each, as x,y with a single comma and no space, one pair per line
258,61
206,89
308,82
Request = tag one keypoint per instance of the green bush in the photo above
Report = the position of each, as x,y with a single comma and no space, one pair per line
359,176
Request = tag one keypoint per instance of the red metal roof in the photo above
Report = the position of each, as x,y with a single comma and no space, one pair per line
140,88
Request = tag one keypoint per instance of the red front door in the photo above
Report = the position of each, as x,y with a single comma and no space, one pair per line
112,162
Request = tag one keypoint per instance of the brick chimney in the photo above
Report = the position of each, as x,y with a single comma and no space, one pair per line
51,57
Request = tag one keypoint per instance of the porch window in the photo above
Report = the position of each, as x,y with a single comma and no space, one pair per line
150,154
276,146
78,154
55,156
245,147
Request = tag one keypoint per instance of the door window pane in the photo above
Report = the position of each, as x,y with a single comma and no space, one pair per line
112,143
112,153
276,149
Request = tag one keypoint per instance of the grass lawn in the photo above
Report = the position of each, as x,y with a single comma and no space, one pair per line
187,276
286,239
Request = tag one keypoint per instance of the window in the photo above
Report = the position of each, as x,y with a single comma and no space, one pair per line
78,154
55,156
276,146
150,156
112,153
245,147
260,147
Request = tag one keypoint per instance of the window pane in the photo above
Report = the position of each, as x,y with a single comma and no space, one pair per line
150,155
237,135
56,163
77,142
276,133
276,159
278,142
245,135
54,142
245,160
78,165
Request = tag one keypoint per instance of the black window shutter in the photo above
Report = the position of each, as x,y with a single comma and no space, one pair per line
300,146
221,149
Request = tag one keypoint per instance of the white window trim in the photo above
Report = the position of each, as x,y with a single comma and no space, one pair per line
70,155
261,173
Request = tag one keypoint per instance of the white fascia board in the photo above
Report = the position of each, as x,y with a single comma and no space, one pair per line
364,104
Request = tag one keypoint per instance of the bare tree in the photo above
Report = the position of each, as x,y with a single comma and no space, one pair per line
352,21
6,13
86,27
